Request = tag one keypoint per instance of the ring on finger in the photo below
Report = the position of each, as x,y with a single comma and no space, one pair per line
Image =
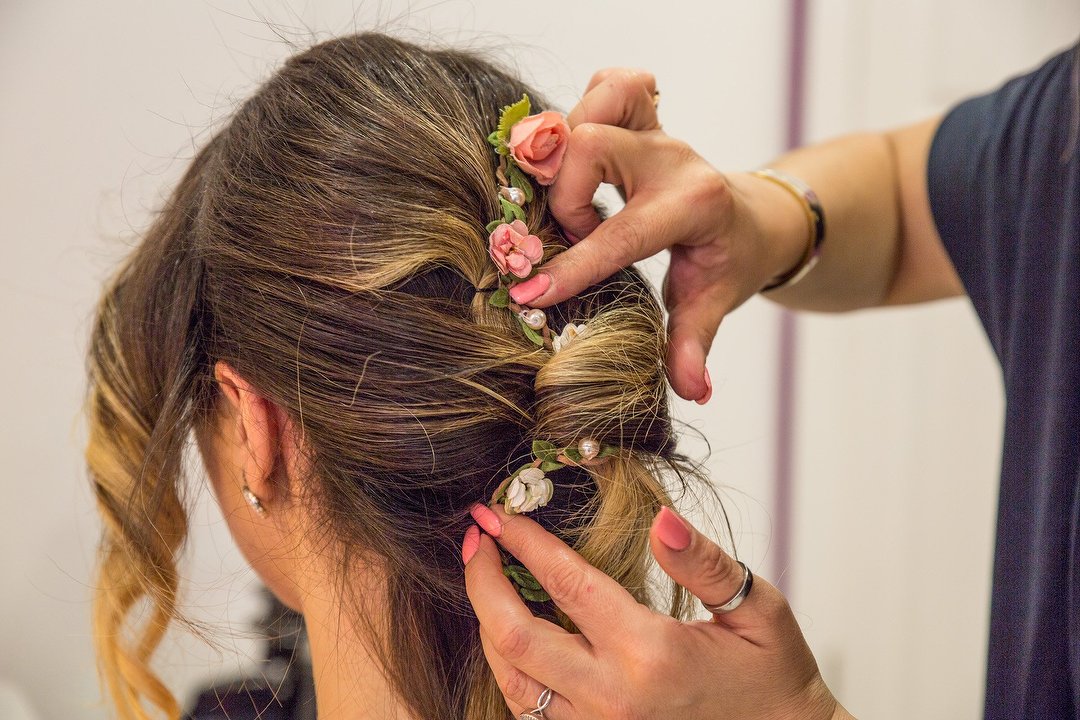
737,599
541,705
656,107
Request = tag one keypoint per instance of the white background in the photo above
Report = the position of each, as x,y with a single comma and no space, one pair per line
899,412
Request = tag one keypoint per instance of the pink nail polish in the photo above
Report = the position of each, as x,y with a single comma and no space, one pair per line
470,545
534,287
672,529
486,519
708,389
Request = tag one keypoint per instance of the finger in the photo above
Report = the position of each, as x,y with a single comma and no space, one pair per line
602,74
533,645
711,575
624,97
628,236
594,154
697,303
600,607
522,692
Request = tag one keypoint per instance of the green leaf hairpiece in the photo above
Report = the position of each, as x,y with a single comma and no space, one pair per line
527,585
510,115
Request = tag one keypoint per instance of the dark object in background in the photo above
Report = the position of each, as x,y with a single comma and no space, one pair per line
281,688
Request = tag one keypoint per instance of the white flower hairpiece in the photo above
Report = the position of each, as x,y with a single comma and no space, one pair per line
569,333
528,490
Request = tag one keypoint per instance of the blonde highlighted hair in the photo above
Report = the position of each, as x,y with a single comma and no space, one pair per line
329,244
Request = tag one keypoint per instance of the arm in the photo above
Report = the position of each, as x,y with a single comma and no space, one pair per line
881,247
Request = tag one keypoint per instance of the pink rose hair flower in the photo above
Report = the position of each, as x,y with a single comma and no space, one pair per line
514,250
538,144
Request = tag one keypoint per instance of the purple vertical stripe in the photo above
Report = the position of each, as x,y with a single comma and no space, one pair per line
788,329
796,108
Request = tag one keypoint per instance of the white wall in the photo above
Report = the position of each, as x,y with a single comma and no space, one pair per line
103,101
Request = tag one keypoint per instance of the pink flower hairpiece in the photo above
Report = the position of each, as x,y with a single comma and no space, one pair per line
527,145
530,145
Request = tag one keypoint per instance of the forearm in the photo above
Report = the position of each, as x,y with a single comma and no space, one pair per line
881,244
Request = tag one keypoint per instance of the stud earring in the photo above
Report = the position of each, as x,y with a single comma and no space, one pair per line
253,501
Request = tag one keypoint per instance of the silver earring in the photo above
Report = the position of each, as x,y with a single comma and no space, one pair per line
253,501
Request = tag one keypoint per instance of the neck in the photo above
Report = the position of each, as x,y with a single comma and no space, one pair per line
349,681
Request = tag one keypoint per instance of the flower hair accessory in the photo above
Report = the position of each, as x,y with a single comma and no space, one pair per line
530,145
527,145
529,488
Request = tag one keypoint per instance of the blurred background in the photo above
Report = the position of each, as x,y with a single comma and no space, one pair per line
857,455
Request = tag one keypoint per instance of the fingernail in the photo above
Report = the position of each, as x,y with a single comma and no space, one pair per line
534,287
672,529
574,239
708,389
486,519
470,545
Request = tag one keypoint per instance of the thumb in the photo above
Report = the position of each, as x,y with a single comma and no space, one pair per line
763,618
706,571
692,326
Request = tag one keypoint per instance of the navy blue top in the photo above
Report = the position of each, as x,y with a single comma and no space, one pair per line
1004,183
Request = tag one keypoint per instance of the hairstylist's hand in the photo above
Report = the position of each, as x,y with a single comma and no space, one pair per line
631,662
674,200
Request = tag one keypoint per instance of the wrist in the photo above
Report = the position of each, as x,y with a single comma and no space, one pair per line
779,223
815,702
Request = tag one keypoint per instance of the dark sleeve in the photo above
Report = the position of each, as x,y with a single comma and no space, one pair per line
1003,185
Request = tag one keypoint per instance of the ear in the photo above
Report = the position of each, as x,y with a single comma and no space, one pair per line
257,431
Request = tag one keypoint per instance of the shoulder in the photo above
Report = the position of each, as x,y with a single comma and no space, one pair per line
997,140
1003,180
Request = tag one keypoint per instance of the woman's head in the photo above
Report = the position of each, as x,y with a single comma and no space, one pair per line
313,303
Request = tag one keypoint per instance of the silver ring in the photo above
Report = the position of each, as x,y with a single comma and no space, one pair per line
541,705
737,600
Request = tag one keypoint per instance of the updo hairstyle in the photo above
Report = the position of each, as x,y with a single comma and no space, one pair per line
328,243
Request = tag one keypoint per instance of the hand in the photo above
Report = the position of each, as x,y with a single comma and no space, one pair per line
629,661
721,252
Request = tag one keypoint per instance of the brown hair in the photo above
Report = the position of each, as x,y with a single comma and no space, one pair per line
329,244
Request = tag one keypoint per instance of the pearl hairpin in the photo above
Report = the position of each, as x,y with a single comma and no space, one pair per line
534,318
589,448
513,194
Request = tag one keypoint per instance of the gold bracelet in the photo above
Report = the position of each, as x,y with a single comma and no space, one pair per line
815,224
